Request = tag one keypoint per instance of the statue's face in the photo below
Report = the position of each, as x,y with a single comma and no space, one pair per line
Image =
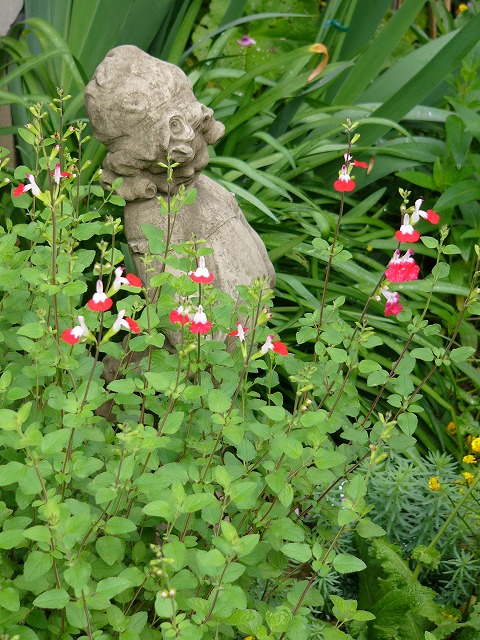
190,128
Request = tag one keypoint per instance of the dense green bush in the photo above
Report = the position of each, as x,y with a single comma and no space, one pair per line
192,495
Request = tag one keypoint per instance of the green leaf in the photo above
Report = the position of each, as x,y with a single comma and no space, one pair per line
111,587
422,353
164,606
78,575
36,565
31,330
110,549
158,508
277,414
210,563
11,538
461,354
368,366
458,193
9,420
9,599
117,525
218,402
52,599
368,529
346,563
197,501
173,422
298,551
126,385
408,423
74,288
9,473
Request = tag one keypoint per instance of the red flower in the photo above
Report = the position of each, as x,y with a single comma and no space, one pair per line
363,165
200,324
402,269
72,336
432,217
344,182
201,274
126,323
392,306
130,280
276,346
133,326
429,215
240,331
23,188
60,174
179,316
407,233
100,301
133,280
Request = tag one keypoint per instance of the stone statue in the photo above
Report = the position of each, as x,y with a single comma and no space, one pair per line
143,109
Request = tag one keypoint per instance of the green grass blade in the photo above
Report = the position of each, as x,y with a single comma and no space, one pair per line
370,62
422,83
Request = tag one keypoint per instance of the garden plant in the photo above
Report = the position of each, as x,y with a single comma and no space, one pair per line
217,484
294,464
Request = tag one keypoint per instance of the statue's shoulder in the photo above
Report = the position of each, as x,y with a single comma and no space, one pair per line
210,193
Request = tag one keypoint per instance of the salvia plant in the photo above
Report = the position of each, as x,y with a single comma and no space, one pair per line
170,468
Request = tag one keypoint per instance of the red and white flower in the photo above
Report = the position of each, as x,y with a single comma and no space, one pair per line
407,233
58,174
276,346
200,323
201,274
344,183
356,163
403,269
429,214
392,306
239,332
72,336
180,316
125,322
31,186
131,280
100,301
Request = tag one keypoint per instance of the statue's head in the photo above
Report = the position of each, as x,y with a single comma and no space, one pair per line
143,109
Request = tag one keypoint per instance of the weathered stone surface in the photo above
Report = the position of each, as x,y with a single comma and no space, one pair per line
143,109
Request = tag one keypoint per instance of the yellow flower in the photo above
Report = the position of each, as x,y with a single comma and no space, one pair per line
451,428
469,459
462,7
475,444
468,477
434,484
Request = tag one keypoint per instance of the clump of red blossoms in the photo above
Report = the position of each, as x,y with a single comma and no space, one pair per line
402,269
407,233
